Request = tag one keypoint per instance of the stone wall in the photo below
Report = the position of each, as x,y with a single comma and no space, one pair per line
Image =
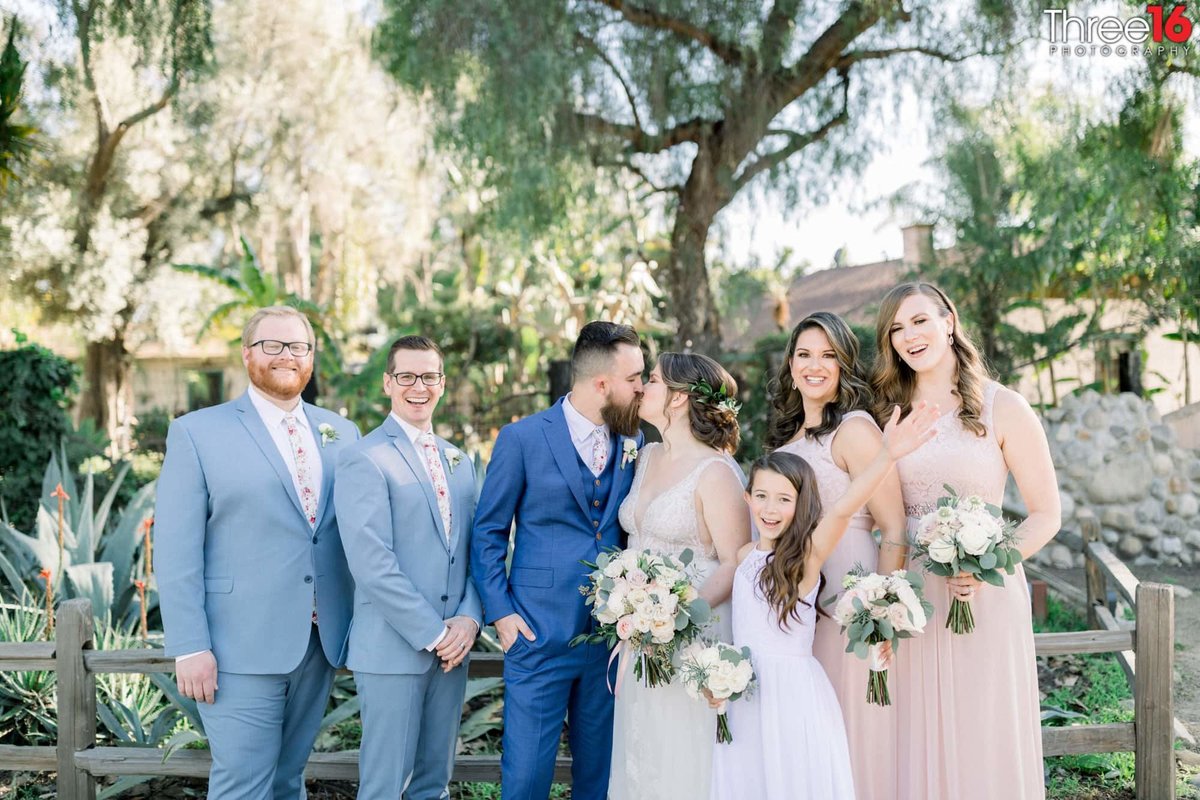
1114,455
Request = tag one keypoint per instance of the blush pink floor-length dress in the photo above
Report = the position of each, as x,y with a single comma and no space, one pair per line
967,704
870,729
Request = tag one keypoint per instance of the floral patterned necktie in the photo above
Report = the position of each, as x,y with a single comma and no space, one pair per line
599,451
308,494
438,476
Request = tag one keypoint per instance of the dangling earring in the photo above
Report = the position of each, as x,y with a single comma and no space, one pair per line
952,339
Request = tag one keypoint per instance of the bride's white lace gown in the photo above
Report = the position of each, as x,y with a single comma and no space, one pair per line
662,738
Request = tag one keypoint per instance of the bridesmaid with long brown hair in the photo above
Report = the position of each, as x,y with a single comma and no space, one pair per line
966,704
820,400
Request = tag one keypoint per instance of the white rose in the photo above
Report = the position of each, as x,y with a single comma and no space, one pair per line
641,622
898,615
617,604
614,568
637,597
911,603
629,558
844,611
667,576
663,630
974,539
607,616
743,673
942,551
872,586
637,578
877,611
720,684
926,531
625,628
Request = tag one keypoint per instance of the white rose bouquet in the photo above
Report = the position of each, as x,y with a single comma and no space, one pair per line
966,534
644,601
720,671
880,608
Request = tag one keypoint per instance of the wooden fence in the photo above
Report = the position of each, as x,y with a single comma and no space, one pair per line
79,761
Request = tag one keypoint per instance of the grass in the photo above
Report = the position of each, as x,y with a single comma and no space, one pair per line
1095,687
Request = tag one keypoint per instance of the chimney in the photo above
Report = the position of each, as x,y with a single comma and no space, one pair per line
918,245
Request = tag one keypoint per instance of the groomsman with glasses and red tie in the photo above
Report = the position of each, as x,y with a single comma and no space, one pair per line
253,585
406,502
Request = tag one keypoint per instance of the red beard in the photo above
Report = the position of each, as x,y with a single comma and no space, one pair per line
280,386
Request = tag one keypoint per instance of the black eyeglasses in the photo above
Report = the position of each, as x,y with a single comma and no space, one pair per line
410,378
274,347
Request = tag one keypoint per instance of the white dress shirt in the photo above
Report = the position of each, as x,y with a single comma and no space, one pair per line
273,417
583,432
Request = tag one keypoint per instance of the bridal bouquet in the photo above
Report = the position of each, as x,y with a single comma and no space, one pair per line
719,670
875,609
966,534
644,601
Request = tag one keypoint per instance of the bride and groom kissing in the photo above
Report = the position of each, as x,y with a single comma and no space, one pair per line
567,478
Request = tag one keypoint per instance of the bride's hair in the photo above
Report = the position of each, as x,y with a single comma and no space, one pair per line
713,422
894,382
781,575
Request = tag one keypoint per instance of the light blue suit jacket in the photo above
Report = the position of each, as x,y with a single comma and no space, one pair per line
408,578
236,560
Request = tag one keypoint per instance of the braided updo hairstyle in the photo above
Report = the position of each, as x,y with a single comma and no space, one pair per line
713,423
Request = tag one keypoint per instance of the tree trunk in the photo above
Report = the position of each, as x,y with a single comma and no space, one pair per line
691,295
108,391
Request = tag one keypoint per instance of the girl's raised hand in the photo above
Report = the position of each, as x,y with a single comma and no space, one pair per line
901,438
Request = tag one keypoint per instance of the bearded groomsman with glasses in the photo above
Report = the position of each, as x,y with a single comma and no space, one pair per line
406,502
253,584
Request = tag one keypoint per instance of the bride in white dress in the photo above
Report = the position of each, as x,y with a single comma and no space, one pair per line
687,494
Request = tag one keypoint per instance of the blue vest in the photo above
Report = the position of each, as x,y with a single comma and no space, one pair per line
596,489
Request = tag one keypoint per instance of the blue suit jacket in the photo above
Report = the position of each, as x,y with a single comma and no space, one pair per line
534,477
408,579
236,560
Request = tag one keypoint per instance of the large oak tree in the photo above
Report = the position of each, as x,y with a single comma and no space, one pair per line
699,99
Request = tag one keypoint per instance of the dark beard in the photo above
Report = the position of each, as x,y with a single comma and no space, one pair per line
621,420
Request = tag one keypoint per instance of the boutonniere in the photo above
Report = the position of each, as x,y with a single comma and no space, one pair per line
328,433
454,457
629,451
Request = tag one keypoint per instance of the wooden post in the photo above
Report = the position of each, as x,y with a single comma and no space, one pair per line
1154,712
1097,588
76,698
1037,595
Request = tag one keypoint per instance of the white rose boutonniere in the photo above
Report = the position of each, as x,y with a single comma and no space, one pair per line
454,457
629,452
328,433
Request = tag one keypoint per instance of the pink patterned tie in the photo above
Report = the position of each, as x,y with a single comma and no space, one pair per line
438,476
308,495
599,451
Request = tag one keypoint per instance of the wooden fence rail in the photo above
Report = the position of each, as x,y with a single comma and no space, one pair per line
79,761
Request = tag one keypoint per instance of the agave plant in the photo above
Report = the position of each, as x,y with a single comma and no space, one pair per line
99,555
28,714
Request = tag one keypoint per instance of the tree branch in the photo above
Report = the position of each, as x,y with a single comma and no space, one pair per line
777,29
854,56
674,188
639,140
83,22
589,42
153,108
824,53
728,52
796,141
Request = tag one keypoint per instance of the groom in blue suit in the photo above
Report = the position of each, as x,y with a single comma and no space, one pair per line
405,502
252,580
561,475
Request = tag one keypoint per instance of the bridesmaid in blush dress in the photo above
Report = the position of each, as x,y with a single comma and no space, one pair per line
966,704
818,399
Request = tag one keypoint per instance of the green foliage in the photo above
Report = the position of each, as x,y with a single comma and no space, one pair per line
28,700
35,394
18,142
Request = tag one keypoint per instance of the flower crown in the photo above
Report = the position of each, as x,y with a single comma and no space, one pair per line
705,393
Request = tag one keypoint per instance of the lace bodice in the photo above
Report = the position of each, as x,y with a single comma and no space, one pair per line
756,624
670,523
955,457
832,480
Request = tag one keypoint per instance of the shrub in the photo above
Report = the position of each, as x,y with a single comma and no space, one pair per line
34,396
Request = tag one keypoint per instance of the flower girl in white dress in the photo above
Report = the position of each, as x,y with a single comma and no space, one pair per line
789,742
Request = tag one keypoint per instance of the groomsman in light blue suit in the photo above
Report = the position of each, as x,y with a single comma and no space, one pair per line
406,499
561,475
253,584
